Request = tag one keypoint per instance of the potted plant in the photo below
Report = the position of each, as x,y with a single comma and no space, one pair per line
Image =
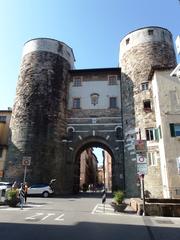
12,197
118,204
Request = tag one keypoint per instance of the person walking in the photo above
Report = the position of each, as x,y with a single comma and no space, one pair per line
22,195
25,192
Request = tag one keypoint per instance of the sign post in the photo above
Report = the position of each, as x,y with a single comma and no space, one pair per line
141,152
26,162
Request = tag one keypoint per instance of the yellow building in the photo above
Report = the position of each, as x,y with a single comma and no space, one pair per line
5,116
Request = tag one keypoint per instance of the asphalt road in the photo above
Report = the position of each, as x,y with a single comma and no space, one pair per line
81,217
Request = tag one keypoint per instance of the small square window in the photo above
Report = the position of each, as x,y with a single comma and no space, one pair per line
147,105
177,129
113,80
144,86
127,41
113,102
76,103
150,134
77,82
2,118
150,32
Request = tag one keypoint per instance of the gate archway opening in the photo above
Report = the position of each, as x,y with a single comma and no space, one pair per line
93,167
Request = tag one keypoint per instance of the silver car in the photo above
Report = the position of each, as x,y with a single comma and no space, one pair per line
43,190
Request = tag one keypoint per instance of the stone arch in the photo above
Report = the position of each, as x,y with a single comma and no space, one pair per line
92,141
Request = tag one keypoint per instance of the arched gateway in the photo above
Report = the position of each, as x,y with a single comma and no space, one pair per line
100,142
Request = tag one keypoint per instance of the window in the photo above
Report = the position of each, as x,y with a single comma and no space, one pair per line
147,105
94,98
144,86
77,82
76,103
112,80
127,41
150,32
174,130
2,118
113,102
152,160
152,134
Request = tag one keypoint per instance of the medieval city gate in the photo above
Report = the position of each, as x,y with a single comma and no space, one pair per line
58,110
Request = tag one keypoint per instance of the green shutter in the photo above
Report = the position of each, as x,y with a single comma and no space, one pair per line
172,130
160,134
156,134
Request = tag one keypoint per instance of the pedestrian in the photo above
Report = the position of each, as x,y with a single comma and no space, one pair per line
25,192
22,195
14,186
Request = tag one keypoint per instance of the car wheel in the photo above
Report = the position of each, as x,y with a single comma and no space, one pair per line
45,194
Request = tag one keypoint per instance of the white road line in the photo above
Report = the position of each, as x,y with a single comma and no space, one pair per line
49,214
34,216
94,210
60,218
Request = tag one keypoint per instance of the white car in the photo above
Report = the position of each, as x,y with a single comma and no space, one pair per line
40,189
5,185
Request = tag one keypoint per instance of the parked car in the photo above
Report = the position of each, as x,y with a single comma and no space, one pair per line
5,185
43,190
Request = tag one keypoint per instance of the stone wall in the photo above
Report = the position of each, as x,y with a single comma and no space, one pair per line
39,119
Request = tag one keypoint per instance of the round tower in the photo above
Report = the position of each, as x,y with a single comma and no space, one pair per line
38,123
141,52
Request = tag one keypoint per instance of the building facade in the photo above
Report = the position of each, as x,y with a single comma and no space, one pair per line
5,116
60,111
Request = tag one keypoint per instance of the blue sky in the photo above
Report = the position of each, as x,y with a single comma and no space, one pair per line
93,28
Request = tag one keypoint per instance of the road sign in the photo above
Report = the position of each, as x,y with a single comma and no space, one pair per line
141,158
26,161
141,145
142,169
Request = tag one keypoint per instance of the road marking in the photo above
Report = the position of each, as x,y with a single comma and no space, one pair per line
48,215
34,216
60,218
103,209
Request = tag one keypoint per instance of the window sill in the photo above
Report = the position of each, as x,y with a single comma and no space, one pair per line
147,110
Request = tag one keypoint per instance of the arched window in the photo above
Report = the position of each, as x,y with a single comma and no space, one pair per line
70,131
94,98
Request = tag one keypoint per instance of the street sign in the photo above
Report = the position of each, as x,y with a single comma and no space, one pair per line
141,145
141,158
142,169
26,161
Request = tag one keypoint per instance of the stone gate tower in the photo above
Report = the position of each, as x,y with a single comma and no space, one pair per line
141,52
38,121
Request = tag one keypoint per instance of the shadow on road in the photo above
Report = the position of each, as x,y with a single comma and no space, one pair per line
86,230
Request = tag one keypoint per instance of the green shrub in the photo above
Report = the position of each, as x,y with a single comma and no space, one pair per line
12,197
118,196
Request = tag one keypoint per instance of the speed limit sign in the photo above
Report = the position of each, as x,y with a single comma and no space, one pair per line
141,158
26,161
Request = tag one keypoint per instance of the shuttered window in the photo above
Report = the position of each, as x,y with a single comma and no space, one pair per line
174,129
